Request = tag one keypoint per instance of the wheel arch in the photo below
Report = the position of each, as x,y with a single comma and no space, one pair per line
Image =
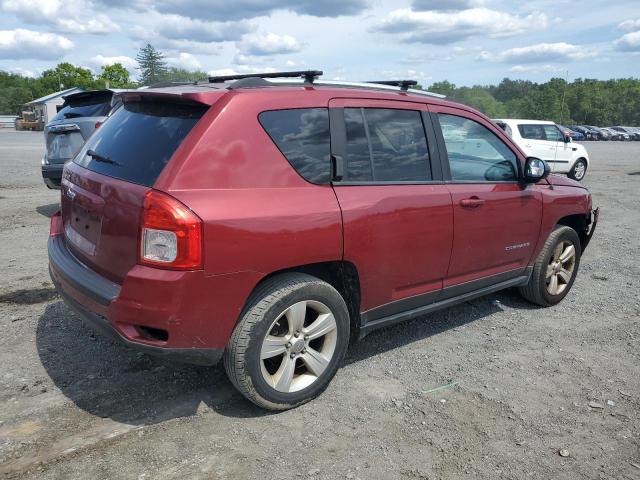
341,275
580,223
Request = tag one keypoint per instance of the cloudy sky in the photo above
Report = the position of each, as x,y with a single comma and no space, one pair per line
464,41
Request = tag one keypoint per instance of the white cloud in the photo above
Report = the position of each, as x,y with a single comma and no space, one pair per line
23,72
178,27
630,25
445,4
629,42
21,44
259,44
184,60
68,16
101,61
436,27
240,70
542,52
535,68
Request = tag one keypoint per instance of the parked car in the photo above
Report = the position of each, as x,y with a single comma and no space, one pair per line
269,223
615,135
575,136
586,132
602,134
545,140
632,134
80,115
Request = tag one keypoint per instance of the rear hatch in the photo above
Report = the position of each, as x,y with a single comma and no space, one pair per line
78,118
103,189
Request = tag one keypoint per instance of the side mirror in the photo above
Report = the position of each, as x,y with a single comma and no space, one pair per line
567,139
535,170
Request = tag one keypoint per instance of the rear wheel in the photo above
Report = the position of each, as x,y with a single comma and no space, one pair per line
289,342
579,169
555,268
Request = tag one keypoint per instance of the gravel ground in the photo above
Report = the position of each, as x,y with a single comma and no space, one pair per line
493,388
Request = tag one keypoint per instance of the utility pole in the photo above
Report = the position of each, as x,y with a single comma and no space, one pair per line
564,91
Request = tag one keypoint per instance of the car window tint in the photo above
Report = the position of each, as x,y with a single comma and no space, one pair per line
398,145
552,133
358,166
475,153
137,141
302,135
385,145
533,132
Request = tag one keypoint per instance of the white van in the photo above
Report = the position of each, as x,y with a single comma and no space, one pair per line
544,140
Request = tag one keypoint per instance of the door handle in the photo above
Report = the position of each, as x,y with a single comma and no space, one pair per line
473,202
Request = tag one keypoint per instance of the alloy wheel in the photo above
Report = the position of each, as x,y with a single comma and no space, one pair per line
298,346
560,268
579,170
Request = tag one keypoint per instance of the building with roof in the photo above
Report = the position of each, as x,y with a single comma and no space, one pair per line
45,107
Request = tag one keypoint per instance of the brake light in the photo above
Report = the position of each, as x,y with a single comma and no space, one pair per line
170,234
55,227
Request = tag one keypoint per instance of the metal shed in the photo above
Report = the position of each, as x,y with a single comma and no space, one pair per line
45,107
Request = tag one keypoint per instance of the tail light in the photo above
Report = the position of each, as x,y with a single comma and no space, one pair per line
170,235
55,227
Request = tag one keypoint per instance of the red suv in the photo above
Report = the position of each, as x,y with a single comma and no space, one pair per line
269,223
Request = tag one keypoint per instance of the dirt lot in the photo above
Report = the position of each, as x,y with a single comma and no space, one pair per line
522,383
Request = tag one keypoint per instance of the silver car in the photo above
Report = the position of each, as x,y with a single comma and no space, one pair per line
80,115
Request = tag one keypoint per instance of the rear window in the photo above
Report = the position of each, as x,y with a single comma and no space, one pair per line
303,137
138,140
94,106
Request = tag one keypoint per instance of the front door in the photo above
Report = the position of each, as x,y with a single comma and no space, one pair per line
496,218
563,150
397,213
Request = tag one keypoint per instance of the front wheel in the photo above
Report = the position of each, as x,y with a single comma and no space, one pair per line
579,170
555,268
289,342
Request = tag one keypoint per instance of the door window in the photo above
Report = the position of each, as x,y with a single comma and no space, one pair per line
552,133
475,153
386,145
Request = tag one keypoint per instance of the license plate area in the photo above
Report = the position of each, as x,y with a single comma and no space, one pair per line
83,219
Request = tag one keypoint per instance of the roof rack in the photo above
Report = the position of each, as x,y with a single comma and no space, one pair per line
308,75
403,84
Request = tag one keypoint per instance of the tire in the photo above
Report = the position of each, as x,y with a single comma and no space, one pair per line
540,289
579,170
274,310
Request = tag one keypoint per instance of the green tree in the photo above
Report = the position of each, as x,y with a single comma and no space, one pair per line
151,65
66,75
181,75
115,76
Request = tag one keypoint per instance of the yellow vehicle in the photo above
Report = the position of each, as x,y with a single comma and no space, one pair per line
29,120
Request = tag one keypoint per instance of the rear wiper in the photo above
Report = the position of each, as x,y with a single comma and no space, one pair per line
101,158
71,115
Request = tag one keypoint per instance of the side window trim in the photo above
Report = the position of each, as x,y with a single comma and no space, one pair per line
445,156
339,146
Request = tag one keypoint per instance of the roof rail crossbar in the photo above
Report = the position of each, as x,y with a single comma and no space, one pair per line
308,75
403,84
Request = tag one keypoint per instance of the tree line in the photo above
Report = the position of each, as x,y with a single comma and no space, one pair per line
582,101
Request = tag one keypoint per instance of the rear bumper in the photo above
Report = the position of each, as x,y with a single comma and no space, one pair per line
52,175
96,300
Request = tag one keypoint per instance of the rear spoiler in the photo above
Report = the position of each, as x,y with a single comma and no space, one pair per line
208,97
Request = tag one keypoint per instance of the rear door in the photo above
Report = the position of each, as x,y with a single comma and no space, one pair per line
496,218
397,214
103,189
